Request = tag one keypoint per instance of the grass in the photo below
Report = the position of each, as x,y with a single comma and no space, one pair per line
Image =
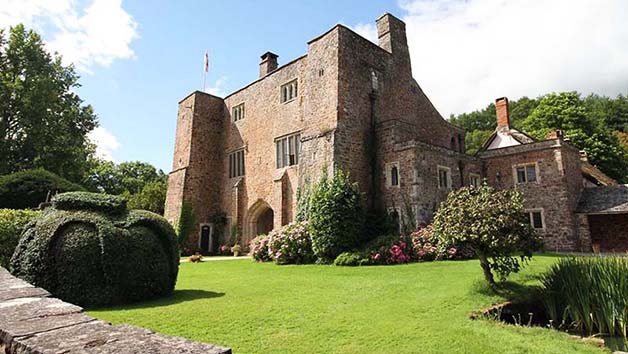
415,308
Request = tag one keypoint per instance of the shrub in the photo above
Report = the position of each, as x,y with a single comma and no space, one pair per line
87,249
588,294
12,223
390,249
259,248
335,216
492,223
27,189
352,259
185,224
426,247
291,244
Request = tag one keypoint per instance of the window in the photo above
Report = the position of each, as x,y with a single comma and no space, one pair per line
236,163
444,178
535,218
526,173
394,217
374,81
392,174
474,180
289,91
237,112
288,149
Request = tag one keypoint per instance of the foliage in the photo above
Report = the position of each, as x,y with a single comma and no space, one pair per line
352,259
12,223
127,177
336,216
259,249
43,122
427,247
389,249
588,294
86,250
291,244
151,198
185,224
414,308
492,223
303,202
28,189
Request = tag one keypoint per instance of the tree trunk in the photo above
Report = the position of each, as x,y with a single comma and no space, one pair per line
486,267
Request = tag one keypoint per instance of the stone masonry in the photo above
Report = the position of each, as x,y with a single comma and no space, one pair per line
33,322
354,106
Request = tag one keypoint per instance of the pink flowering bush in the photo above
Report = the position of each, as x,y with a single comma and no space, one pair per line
224,250
259,248
426,247
389,250
290,244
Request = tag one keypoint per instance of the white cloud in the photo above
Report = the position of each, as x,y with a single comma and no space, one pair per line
96,34
366,30
467,53
218,88
106,143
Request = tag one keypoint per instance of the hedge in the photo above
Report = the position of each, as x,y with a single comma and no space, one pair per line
88,250
27,189
12,223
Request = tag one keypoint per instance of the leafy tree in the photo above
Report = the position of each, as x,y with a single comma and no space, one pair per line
152,197
27,189
126,177
477,120
475,139
336,216
43,122
491,222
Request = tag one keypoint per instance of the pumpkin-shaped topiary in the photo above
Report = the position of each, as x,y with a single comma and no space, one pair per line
89,249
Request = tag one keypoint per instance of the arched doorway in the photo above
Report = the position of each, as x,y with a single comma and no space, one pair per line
265,222
260,220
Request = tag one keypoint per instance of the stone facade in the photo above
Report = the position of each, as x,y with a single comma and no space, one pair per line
354,106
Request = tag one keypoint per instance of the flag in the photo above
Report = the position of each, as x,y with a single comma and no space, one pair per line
206,61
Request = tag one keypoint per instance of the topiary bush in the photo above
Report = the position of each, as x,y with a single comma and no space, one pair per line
11,224
27,189
89,249
336,216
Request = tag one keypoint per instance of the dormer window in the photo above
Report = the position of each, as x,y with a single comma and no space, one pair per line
289,91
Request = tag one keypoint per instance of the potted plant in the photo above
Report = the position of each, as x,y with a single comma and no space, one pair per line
236,250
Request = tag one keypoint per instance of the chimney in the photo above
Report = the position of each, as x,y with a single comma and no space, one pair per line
555,134
391,34
501,108
268,64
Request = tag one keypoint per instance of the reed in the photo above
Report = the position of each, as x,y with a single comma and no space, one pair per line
589,294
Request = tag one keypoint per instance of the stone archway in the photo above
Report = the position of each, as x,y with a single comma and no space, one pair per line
260,220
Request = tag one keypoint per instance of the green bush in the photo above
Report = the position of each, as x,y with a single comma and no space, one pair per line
86,249
336,216
352,259
12,223
490,222
27,189
588,294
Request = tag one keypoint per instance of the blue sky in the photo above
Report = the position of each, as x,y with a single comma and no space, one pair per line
139,58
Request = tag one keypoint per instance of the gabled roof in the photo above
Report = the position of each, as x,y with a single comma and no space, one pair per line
518,136
592,173
604,200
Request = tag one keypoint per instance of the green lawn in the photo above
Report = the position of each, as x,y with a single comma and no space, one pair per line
415,308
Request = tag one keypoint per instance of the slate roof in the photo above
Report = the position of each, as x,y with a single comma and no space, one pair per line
604,200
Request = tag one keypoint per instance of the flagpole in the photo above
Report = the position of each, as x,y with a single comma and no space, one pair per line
205,69
204,79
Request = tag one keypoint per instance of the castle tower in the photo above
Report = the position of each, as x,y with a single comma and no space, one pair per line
198,163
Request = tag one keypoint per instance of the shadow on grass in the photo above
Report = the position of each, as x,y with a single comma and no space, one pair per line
510,290
178,296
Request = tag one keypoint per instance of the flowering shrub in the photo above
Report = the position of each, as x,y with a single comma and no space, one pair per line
426,247
389,250
224,250
291,244
259,248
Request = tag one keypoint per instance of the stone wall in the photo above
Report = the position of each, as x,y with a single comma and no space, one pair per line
33,322
609,232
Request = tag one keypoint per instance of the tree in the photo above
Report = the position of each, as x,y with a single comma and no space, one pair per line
127,177
492,223
336,216
43,122
152,197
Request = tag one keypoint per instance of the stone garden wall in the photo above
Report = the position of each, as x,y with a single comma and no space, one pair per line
33,322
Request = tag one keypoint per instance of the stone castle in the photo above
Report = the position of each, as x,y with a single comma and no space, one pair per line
353,105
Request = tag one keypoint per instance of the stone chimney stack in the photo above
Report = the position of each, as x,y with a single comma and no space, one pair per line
268,64
391,34
501,108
